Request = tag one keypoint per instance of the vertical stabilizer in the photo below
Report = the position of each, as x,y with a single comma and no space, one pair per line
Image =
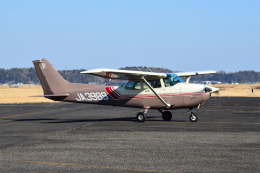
52,82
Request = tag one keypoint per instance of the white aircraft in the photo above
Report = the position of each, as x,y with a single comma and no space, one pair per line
147,90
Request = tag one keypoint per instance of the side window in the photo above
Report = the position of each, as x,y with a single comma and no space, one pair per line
168,81
154,84
171,80
121,85
130,85
138,86
135,85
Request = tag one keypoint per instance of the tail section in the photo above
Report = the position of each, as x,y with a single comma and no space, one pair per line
52,82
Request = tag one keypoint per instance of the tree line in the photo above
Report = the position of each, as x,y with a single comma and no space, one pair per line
235,77
26,75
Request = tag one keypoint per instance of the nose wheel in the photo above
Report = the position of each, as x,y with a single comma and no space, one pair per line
193,116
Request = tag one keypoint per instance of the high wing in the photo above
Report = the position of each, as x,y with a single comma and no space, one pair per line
142,76
186,75
125,74
137,75
131,75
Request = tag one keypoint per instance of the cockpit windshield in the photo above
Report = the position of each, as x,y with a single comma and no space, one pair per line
172,79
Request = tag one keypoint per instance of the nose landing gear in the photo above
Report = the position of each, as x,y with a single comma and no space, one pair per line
193,117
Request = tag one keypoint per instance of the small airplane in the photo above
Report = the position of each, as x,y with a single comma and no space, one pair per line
146,90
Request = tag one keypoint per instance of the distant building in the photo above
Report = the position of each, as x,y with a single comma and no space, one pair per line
210,82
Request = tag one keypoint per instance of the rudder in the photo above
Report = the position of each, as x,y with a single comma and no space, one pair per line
52,82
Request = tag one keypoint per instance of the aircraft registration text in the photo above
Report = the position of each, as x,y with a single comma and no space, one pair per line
92,96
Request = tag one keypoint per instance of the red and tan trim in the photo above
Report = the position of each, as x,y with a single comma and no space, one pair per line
113,93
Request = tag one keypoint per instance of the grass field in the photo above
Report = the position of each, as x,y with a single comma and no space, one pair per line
238,90
21,95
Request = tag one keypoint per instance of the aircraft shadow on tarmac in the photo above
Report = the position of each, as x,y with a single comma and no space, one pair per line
56,120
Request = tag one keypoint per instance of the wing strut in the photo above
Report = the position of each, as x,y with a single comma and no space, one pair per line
157,95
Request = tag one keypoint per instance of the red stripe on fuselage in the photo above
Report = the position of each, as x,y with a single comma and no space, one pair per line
115,92
162,95
110,91
116,95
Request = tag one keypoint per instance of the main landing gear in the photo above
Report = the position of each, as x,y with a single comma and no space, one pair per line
166,116
141,117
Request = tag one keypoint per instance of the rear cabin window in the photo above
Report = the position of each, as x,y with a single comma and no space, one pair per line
121,85
135,85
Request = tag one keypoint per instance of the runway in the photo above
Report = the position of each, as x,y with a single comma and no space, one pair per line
68,137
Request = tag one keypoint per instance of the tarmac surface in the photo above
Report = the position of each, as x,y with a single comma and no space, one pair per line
68,137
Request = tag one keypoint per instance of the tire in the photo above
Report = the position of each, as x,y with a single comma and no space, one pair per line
193,117
167,116
141,117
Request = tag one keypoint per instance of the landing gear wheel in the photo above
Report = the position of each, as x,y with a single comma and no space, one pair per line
193,117
167,116
141,117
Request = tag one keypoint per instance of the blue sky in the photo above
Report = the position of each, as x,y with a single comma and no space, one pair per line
178,35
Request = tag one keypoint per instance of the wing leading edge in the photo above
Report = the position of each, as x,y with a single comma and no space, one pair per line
186,75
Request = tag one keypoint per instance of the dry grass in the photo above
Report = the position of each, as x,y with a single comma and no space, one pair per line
238,90
21,95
